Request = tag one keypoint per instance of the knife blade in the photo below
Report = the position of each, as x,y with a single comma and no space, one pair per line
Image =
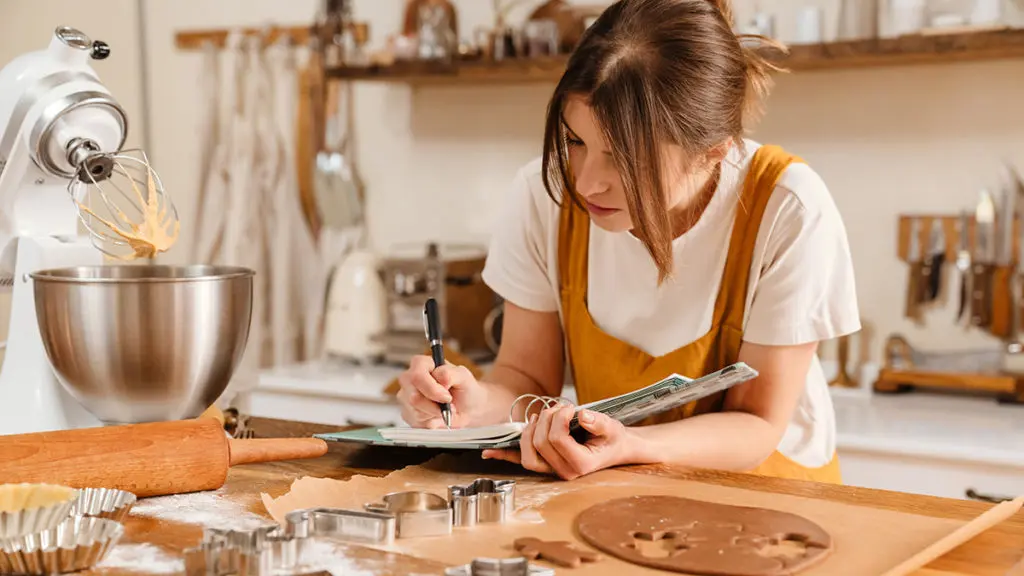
963,263
984,256
931,270
912,308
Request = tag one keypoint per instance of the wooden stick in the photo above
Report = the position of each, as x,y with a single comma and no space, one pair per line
993,516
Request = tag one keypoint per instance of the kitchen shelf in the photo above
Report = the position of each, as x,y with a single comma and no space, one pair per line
928,48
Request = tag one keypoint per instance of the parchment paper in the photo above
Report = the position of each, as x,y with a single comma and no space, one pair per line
867,541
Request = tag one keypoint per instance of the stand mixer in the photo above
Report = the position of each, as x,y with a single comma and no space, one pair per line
61,140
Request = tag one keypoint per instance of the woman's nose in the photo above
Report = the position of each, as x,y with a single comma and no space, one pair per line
591,180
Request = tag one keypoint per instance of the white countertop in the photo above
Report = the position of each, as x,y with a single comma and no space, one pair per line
915,424
975,429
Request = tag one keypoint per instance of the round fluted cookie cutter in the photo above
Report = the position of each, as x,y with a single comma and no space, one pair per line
20,516
79,543
106,503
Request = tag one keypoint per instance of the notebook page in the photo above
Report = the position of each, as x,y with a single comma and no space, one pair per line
494,433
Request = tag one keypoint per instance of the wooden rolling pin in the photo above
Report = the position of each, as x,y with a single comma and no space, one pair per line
146,459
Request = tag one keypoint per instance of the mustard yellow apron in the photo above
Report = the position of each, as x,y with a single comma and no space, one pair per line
603,366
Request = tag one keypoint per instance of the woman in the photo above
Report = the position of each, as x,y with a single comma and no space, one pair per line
652,238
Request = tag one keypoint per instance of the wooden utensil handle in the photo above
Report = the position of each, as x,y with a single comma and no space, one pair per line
1001,324
913,302
994,515
250,451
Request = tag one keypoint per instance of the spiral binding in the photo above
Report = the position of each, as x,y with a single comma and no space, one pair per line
547,401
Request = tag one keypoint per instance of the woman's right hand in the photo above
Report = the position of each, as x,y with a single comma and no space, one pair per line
423,388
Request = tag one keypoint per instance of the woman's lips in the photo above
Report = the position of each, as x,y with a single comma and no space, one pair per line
600,210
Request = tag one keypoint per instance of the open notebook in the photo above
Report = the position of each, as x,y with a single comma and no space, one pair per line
671,392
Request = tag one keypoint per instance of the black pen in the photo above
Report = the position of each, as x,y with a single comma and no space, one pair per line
432,326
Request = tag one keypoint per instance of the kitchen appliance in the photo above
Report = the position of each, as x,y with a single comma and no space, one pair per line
61,135
449,273
144,343
356,310
152,459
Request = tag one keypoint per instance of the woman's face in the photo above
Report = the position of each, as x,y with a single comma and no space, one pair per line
597,179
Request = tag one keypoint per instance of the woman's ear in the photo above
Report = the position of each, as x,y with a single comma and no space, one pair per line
718,153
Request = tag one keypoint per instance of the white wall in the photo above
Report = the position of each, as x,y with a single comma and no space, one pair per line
435,160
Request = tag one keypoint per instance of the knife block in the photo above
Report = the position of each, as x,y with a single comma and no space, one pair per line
906,369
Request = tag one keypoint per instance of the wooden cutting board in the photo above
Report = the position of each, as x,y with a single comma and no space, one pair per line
867,540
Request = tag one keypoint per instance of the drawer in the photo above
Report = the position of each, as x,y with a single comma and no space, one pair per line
930,476
323,409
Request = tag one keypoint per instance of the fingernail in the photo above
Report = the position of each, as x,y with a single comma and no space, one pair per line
533,418
586,416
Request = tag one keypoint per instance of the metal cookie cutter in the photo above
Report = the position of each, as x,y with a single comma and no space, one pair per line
417,514
482,501
352,525
232,552
499,567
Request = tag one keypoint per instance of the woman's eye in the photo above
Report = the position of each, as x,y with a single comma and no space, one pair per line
569,140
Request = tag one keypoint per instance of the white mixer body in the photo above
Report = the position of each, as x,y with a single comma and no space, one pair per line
49,100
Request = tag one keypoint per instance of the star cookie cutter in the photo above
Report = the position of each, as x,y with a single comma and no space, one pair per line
482,501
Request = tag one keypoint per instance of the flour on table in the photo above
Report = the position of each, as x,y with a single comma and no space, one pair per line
206,509
145,558
330,556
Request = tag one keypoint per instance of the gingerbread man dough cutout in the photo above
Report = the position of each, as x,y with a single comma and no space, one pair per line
561,553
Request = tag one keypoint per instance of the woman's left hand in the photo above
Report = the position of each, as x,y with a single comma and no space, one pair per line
547,447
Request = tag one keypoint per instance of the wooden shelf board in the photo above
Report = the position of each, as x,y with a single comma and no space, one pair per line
906,50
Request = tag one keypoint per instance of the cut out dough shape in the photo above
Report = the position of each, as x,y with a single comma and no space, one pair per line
18,497
704,538
561,553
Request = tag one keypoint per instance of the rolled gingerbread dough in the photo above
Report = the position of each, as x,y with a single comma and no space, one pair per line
703,538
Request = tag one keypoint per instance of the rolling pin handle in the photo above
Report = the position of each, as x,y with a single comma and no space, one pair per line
251,451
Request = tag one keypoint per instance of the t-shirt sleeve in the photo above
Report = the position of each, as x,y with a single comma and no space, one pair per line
517,259
806,291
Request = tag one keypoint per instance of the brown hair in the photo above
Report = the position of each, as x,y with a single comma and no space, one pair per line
655,72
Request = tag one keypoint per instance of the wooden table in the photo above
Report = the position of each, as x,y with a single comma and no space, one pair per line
992,553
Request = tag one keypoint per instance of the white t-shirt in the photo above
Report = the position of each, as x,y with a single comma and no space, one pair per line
801,284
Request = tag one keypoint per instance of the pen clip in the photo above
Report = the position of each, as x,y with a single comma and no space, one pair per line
426,324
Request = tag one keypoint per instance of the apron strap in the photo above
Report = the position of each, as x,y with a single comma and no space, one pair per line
766,167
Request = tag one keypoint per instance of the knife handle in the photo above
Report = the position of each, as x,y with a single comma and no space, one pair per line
913,304
1001,324
981,282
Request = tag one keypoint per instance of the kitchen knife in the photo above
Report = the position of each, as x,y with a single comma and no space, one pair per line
984,256
931,270
912,308
1001,288
963,264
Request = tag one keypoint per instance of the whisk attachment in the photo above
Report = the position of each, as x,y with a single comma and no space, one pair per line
121,202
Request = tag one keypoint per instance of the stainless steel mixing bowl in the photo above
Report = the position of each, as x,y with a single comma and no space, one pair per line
139,343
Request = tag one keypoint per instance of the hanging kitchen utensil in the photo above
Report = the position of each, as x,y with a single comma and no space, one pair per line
1001,325
309,137
335,188
984,259
933,264
912,308
963,265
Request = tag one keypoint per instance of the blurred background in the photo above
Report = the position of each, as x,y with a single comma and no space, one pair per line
354,170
